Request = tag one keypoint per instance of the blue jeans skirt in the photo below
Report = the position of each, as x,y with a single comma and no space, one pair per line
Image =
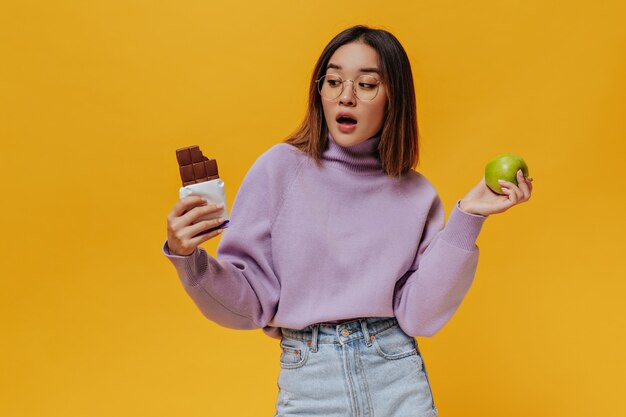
365,367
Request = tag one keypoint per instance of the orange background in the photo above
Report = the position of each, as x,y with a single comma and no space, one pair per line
96,96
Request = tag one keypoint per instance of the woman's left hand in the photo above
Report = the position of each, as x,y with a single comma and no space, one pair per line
481,200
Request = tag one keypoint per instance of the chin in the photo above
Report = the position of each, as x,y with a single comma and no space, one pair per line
348,139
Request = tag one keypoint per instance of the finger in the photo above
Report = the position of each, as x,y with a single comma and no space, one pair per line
196,240
519,193
195,213
517,187
184,204
203,225
523,186
511,194
528,181
505,185
529,184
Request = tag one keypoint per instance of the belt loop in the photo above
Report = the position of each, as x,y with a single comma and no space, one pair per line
366,334
315,332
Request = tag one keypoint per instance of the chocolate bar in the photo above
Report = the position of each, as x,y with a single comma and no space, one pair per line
194,166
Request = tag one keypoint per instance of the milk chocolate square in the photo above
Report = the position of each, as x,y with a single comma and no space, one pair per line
194,166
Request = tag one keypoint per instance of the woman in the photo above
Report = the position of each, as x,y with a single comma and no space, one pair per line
337,247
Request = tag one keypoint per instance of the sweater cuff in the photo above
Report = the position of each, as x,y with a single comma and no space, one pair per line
166,252
185,265
463,228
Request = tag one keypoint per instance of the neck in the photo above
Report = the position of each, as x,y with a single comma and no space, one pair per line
361,158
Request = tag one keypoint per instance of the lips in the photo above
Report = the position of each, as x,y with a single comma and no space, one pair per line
344,118
346,123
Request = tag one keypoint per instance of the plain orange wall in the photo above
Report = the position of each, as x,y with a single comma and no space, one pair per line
96,96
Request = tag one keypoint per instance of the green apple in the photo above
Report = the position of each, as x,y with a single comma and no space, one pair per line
504,167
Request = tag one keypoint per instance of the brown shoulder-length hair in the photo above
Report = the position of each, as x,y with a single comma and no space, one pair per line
398,150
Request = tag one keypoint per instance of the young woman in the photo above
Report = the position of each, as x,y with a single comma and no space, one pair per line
337,247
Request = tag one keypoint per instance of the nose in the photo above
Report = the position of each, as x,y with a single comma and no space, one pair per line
347,95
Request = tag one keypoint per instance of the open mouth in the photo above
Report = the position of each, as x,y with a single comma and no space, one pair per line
346,120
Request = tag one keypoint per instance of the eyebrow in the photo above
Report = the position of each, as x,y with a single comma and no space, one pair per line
373,69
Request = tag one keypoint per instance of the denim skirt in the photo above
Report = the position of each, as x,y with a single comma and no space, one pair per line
365,367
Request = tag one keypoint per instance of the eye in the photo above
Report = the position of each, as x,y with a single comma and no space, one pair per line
333,83
366,82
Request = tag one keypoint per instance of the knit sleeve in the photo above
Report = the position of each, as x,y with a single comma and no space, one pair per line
238,288
442,272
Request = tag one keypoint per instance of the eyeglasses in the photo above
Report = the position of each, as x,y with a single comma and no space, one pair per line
365,87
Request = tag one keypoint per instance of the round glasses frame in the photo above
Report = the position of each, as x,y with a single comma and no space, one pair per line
320,84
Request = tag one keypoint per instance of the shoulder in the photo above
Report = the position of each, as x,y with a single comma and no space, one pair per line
269,179
274,169
279,158
416,187
421,195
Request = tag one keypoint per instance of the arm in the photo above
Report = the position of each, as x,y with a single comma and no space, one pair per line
433,289
238,288
441,274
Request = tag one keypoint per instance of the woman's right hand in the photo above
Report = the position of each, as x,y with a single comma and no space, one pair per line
181,230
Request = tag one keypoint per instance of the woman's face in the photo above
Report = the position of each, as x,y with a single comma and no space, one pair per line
349,61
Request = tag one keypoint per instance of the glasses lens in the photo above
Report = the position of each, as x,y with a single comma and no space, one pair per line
366,87
330,86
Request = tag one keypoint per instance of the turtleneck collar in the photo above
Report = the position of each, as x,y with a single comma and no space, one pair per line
361,158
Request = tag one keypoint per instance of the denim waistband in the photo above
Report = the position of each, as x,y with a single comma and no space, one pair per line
341,333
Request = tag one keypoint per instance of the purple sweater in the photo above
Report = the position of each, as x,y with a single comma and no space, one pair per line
310,244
